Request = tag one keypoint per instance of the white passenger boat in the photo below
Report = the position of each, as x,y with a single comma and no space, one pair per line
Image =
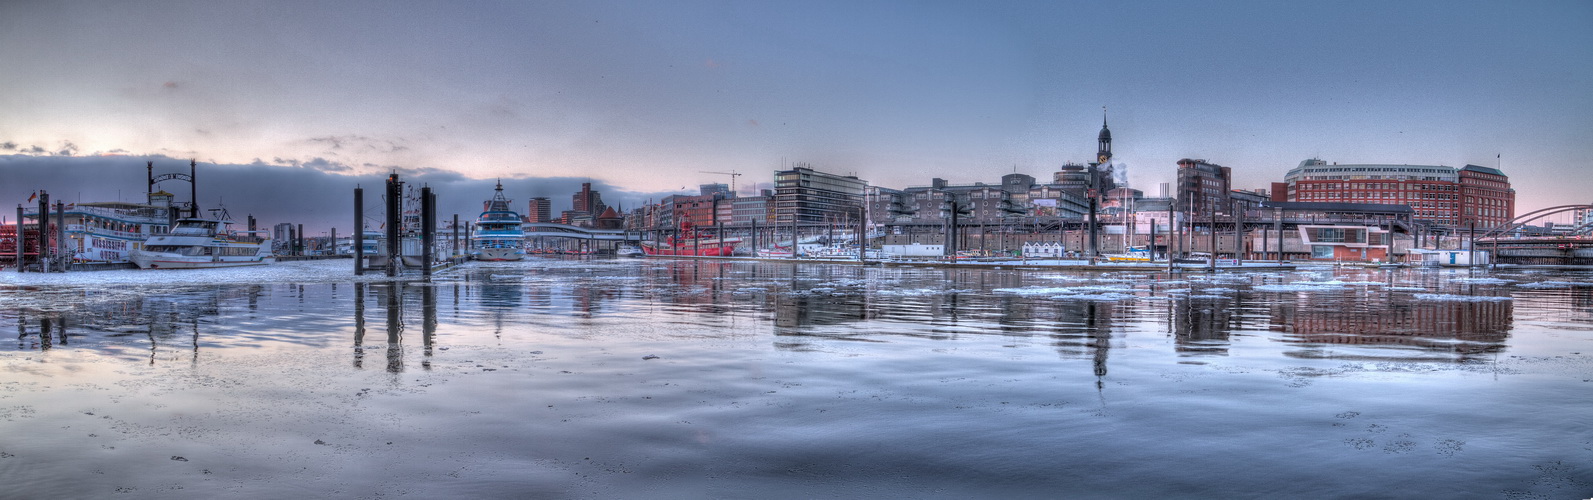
202,243
499,234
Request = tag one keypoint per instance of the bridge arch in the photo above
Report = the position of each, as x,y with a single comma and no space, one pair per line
1523,219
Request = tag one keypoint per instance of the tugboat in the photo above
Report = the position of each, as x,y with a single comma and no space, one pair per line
499,234
693,244
202,243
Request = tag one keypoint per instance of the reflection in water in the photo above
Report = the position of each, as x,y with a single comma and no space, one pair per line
359,325
804,304
1463,329
392,296
428,323
1201,325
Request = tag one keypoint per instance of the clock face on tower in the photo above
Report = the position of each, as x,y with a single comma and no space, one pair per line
1102,158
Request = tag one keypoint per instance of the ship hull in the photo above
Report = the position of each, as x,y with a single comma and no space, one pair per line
688,250
501,254
161,260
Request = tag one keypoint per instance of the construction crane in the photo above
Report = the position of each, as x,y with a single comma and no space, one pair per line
733,188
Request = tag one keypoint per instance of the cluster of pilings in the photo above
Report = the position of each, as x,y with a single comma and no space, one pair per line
49,241
392,261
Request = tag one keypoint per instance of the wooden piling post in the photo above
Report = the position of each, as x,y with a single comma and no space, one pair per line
428,226
62,260
21,239
359,230
1238,234
1277,226
1213,228
395,193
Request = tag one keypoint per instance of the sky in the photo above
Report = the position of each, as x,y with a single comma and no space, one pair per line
288,105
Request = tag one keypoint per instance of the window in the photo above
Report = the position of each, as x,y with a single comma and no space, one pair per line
1330,235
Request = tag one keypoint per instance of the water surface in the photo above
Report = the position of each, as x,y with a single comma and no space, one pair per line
667,379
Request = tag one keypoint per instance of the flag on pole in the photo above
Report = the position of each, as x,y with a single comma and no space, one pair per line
34,196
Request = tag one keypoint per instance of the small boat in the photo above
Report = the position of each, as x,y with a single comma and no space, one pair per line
200,244
1134,254
1201,258
629,251
499,234
692,243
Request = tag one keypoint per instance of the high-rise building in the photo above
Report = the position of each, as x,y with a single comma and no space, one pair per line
816,197
587,200
540,209
1203,187
1445,196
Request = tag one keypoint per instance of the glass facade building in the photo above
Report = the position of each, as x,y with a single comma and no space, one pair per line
816,197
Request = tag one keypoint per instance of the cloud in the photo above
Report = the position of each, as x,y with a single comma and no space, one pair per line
8,145
357,144
325,165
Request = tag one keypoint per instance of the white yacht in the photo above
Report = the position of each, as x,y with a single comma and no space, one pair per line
202,243
499,233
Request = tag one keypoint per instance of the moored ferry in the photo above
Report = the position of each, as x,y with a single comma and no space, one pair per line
200,244
499,233
108,232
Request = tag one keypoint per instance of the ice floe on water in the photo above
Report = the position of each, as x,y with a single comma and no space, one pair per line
318,271
1482,281
1065,291
1104,297
1300,286
1032,291
1458,298
1555,284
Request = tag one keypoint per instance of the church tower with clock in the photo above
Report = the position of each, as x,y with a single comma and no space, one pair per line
1104,154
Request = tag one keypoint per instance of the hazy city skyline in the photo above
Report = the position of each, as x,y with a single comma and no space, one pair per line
641,97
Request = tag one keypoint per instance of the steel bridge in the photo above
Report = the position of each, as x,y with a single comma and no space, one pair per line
1574,248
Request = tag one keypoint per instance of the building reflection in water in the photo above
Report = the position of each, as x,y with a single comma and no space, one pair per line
1461,330
1083,330
1202,325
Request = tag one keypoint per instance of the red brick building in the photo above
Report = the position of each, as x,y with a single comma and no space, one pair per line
1445,196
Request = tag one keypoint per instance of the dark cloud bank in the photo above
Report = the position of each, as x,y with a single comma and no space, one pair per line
316,193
